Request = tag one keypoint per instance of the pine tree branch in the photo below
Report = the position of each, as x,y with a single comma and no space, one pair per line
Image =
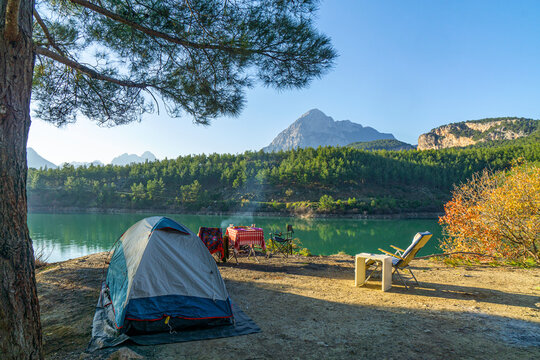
152,32
88,71
197,16
11,29
47,33
174,39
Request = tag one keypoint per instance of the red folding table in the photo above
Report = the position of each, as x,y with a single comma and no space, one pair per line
245,236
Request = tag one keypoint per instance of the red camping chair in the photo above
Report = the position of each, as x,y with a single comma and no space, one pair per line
213,239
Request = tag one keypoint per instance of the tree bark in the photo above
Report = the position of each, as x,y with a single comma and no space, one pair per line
20,326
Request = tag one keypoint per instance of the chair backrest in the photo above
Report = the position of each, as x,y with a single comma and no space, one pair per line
211,237
290,228
210,231
418,242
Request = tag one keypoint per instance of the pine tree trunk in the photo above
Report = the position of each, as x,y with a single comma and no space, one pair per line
20,327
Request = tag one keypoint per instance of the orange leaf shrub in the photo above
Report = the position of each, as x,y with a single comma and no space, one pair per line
496,214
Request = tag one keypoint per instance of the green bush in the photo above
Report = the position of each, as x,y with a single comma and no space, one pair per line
326,203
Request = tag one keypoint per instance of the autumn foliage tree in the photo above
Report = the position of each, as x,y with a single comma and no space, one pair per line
496,214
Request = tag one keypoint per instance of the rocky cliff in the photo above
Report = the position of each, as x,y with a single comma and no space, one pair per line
314,129
477,131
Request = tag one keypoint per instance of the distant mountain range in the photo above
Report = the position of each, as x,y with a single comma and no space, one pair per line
126,159
315,129
84,163
37,161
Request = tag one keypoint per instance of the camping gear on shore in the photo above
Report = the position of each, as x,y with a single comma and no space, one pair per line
283,244
249,236
162,286
360,261
213,239
401,258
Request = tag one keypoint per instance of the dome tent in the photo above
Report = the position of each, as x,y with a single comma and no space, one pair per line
162,279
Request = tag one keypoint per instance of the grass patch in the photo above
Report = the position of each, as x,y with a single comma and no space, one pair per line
528,263
455,261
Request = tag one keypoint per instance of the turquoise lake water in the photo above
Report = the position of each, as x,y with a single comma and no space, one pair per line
67,236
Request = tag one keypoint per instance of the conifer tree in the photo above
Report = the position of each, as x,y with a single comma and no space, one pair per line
112,61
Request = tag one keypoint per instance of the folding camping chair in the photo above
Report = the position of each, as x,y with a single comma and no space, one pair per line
283,244
401,258
213,239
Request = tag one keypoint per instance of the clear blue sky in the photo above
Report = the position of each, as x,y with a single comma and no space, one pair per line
405,67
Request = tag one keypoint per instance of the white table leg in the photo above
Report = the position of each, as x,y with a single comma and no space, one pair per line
359,271
387,274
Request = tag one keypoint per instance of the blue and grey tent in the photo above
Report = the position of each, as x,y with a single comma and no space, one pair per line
162,285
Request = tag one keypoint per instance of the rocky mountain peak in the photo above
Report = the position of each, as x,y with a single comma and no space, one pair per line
36,161
315,128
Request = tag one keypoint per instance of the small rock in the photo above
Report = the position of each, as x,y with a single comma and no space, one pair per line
124,354
321,343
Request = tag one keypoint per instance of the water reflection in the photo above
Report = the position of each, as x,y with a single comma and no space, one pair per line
66,236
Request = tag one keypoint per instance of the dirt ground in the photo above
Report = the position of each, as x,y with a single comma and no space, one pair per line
309,308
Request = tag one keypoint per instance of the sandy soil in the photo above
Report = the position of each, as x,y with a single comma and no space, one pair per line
309,308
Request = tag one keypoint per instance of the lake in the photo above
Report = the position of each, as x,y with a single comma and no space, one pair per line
67,236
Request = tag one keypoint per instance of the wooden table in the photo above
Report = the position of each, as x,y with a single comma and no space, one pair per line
360,269
245,236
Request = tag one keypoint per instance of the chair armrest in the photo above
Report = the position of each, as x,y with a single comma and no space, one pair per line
395,247
389,253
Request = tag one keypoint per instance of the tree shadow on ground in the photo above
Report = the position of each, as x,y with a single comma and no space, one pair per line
455,292
300,326
291,266
462,292
427,289
297,326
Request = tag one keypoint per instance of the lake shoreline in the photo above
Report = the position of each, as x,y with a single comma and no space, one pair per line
79,210
66,235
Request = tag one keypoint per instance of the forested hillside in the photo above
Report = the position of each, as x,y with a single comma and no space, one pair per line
383,144
323,180
533,138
